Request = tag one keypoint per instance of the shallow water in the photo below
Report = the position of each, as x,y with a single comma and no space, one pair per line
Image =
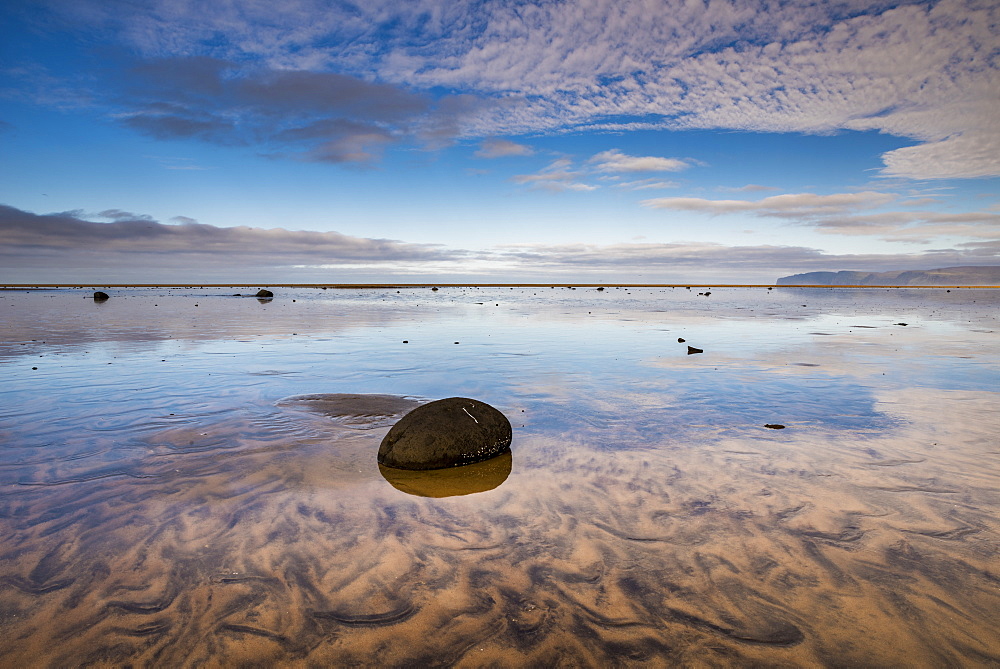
184,482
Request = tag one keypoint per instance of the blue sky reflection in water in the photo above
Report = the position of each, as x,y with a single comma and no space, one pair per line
167,496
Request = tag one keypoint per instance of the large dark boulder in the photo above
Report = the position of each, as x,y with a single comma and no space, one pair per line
446,433
263,293
100,296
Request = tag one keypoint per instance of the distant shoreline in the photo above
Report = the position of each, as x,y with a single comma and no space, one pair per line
377,286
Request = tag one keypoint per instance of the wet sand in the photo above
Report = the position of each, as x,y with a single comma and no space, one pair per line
658,523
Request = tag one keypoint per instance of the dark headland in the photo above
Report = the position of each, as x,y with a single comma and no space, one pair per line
945,276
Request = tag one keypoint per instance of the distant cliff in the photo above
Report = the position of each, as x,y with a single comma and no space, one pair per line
946,276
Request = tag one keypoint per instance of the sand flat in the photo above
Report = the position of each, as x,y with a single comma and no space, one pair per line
185,505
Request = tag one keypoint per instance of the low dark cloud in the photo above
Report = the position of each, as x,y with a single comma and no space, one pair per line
125,247
680,262
134,241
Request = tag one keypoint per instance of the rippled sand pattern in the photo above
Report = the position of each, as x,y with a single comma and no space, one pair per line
761,549
266,535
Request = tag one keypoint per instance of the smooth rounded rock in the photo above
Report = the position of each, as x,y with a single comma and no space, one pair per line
100,296
447,433
264,293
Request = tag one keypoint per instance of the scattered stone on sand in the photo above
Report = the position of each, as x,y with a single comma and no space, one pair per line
264,293
692,350
681,340
447,433
600,288
775,426
434,289
100,296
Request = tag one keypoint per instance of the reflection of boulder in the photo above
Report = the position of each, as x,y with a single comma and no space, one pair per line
446,433
477,477
100,296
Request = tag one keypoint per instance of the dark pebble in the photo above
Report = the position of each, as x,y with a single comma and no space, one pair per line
775,426
680,340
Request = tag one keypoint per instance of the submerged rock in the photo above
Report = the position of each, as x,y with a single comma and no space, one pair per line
446,433
100,296
356,411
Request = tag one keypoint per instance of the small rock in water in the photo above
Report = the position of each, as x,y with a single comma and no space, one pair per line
100,296
900,324
434,289
681,340
446,433
692,350
775,426
264,293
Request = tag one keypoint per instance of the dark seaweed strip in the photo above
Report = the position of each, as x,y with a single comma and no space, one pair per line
34,588
255,631
368,619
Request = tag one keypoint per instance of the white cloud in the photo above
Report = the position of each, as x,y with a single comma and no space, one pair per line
557,176
501,148
614,160
749,188
787,205
840,214
647,184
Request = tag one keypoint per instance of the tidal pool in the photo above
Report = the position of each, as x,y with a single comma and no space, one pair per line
189,478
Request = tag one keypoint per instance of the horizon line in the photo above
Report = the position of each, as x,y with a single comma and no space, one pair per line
348,286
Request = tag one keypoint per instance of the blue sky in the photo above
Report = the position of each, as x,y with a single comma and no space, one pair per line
433,140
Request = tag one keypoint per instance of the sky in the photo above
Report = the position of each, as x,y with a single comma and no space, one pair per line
588,141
